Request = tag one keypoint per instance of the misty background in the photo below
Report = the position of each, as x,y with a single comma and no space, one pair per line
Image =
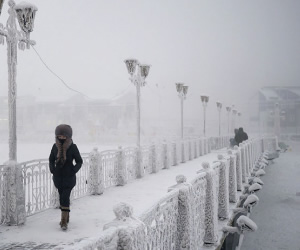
228,50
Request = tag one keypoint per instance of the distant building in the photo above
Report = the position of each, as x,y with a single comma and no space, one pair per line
37,117
287,116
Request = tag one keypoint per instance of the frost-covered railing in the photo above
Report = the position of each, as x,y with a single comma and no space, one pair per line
108,161
130,159
38,185
100,170
81,188
190,215
161,220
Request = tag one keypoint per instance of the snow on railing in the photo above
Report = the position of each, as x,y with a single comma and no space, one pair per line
81,188
37,184
199,185
130,155
108,161
146,159
161,220
110,168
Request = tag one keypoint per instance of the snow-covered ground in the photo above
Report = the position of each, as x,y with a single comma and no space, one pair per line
277,214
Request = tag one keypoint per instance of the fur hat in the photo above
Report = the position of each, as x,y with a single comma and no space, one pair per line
64,129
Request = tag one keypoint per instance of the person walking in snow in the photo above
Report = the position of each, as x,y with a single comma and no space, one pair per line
241,136
63,152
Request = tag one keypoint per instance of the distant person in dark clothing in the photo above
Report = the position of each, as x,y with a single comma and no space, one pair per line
240,136
61,158
232,140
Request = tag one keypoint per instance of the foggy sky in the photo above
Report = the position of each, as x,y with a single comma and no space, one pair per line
226,49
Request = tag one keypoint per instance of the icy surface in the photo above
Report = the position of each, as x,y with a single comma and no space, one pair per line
277,213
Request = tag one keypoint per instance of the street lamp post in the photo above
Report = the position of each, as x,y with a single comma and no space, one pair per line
204,99
14,198
228,109
138,79
182,92
25,13
219,107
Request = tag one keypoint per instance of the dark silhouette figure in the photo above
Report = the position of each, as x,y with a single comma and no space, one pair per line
62,155
240,136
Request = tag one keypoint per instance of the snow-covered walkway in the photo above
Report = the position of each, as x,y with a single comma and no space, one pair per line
89,214
277,214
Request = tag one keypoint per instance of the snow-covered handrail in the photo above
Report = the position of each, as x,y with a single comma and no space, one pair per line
116,167
162,217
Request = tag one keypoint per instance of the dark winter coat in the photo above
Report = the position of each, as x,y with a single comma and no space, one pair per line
67,169
240,136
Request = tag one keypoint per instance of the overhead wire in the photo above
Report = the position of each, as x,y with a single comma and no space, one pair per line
70,88
64,83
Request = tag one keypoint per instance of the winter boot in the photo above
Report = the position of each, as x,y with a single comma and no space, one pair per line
64,218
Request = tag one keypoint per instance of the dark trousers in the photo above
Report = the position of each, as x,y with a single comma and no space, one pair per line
64,186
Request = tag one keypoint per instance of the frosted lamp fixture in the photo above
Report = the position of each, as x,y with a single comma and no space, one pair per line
205,98
234,111
26,14
144,70
185,90
219,105
179,87
228,109
131,65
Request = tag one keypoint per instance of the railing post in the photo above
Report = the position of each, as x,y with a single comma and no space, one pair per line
174,150
211,206
185,213
244,163
196,149
165,153
239,181
247,158
223,208
190,150
154,164
96,178
131,231
182,152
121,168
232,178
140,171
15,195
201,148
204,146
